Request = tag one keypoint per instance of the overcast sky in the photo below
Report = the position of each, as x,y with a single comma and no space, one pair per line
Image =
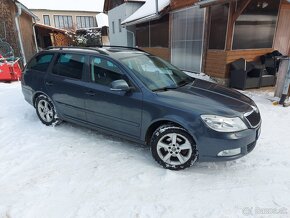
82,5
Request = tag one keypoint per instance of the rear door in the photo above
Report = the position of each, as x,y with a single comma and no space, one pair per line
64,84
117,111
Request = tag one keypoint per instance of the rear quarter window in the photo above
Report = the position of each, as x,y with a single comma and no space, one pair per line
40,62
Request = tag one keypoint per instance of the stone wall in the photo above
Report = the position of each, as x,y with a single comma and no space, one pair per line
7,21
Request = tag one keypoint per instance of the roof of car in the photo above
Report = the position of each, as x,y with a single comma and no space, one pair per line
117,52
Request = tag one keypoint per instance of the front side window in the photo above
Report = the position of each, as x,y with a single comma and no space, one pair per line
104,72
69,65
155,73
40,62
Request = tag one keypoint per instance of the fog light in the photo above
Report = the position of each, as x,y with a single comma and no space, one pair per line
228,153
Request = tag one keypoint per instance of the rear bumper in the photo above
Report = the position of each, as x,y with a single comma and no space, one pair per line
28,94
212,143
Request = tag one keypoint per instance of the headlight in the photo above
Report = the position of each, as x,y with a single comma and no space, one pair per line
224,124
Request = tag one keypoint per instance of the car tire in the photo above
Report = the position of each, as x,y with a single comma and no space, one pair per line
46,111
173,148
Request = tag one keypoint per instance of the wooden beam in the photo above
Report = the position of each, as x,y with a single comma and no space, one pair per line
205,38
234,12
241,7
231,24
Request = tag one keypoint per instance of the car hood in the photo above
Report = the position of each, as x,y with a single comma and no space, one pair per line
208,98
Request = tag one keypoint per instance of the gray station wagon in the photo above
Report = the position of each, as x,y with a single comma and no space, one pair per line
140,97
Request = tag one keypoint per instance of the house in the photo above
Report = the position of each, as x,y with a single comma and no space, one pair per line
17,28
68,20
208,35
118,11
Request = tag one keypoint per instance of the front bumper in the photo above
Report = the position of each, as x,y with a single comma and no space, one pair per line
212,143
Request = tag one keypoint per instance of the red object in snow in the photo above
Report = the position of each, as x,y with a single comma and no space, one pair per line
9,70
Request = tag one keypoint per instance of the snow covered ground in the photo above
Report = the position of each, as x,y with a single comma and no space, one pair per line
69,171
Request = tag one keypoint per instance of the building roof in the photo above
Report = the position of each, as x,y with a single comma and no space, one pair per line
25,9
207,3
107,4
51,28
65,5
52,10
147,12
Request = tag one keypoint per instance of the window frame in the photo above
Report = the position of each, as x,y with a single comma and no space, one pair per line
113,27
256,48
91,20
226,33
178,39
44,16
68,18
120,25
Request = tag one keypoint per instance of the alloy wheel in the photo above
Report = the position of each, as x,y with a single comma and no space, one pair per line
174,149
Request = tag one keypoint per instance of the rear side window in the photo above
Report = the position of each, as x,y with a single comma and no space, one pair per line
40,62
69,65
104,72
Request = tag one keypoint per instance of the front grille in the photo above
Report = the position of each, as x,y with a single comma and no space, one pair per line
253,118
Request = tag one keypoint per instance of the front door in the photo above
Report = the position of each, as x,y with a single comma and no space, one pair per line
116,111
65,86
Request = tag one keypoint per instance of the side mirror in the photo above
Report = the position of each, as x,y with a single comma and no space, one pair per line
120,85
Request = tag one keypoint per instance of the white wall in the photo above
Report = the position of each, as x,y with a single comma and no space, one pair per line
40,12
123,38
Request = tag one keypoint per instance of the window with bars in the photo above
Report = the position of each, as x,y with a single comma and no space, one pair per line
86,22
46,20
63,22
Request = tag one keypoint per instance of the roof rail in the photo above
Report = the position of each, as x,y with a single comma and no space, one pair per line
119,46
76,47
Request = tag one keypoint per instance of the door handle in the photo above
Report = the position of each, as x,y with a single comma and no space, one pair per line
49,83
90,93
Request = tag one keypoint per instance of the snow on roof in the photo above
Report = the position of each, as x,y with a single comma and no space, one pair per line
102,20
65,5
26,10
146,11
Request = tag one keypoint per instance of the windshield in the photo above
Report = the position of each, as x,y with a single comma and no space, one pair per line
156,73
